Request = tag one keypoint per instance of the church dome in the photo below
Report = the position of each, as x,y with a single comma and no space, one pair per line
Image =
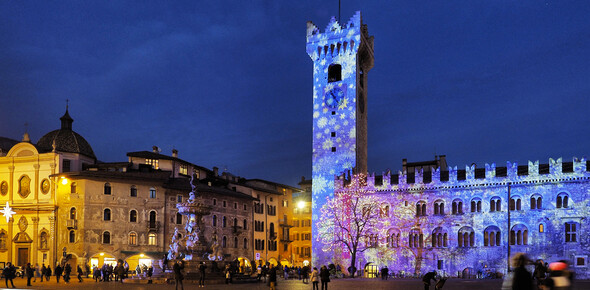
66,140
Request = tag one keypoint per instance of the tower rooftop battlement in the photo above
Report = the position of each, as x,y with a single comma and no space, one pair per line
337,39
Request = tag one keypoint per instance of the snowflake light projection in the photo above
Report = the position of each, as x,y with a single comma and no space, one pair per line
7,211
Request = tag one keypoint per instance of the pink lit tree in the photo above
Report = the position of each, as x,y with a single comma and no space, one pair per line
348,220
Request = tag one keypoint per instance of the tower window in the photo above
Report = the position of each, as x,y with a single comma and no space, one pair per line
333,134
333,149
334,73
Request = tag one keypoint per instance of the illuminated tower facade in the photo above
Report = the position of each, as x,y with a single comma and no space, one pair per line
342,55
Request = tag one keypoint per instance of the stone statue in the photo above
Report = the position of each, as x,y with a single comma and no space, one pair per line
216,254
173,250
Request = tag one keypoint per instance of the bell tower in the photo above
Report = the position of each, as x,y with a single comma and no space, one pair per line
342,56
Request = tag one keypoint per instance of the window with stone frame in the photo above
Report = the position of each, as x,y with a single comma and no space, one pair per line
571,232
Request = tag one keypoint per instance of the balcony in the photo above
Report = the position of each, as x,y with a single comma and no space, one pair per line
286,240
72,224
285,224
153,226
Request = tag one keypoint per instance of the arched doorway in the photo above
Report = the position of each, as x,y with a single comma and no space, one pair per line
244,265
284,262
273,261
139,259
72,260
102,258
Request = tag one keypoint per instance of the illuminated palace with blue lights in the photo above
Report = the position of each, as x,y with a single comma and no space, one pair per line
428,218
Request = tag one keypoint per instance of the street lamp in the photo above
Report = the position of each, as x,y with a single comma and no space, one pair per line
301,204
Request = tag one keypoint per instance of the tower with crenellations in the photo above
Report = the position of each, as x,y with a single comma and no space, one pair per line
342,56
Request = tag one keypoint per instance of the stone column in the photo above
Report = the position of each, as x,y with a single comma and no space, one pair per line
35,244
36,184
9,242
52,242
11,185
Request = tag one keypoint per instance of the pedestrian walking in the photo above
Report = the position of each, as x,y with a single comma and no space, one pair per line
48,273
202,269
540,273
521,278
79,270
315,280
427,277
258,272
67,272
150,271
178,276
29,272
324,277
37,272
9,273
384,273
43,270
272,277
57,272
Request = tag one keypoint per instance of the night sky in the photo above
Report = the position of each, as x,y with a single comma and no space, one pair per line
229,84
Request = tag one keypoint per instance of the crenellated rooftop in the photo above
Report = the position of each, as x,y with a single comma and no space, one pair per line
337,39
452,177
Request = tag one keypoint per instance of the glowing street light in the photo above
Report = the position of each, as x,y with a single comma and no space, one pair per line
64,180
301,204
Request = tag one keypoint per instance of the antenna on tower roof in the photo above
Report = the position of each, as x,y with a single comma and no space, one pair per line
339,11
67,104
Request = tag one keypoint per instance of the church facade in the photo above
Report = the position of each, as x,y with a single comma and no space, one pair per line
455,221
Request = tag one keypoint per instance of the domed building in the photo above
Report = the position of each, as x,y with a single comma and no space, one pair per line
28,192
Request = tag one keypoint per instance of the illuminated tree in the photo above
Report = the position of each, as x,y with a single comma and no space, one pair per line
348,220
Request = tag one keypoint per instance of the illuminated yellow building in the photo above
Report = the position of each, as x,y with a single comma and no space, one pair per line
301,231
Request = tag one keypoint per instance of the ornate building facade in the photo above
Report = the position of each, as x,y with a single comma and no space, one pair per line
430,216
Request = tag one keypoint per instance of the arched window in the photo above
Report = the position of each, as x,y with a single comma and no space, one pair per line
272,229
132,238
421,208
495,204
133,216
562,200
235,222
476,204
415,239
214,221
393,238
439,238
224,222
541,228
133,191
519,235
224,242
384,211
152,192
457,206
515,203
178,218
72,236
152,219
106,237
3,239
466,237
107,214
334,73
235,242
245,224
152,239
73,213
245,243
73,187
492,236
439,207
107,188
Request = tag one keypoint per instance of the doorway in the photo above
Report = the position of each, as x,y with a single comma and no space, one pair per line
23,256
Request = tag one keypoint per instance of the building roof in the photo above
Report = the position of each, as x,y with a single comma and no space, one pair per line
66,140
183,184
6,144
154,155
160,176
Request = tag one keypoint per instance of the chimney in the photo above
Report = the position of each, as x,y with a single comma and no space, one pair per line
174,153
155,149
215,171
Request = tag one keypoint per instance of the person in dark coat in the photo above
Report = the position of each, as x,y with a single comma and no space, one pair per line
202,269
540,272
67,272
426,279
150,272
48,273
522,279
30,273
324,277
384,273
79,270
119,272
272,277
43,271
57,272
9,273
178,277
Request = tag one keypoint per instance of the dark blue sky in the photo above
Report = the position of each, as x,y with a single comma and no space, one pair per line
229,84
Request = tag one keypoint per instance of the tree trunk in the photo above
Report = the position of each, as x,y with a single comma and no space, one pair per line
353,262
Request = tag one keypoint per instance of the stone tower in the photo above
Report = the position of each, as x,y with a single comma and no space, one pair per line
342,55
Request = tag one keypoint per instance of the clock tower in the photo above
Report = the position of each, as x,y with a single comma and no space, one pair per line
342,55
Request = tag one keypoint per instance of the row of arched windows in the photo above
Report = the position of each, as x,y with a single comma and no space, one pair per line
515,203
224,222
107,190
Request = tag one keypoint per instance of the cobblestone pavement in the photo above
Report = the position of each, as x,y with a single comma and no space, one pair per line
336,284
